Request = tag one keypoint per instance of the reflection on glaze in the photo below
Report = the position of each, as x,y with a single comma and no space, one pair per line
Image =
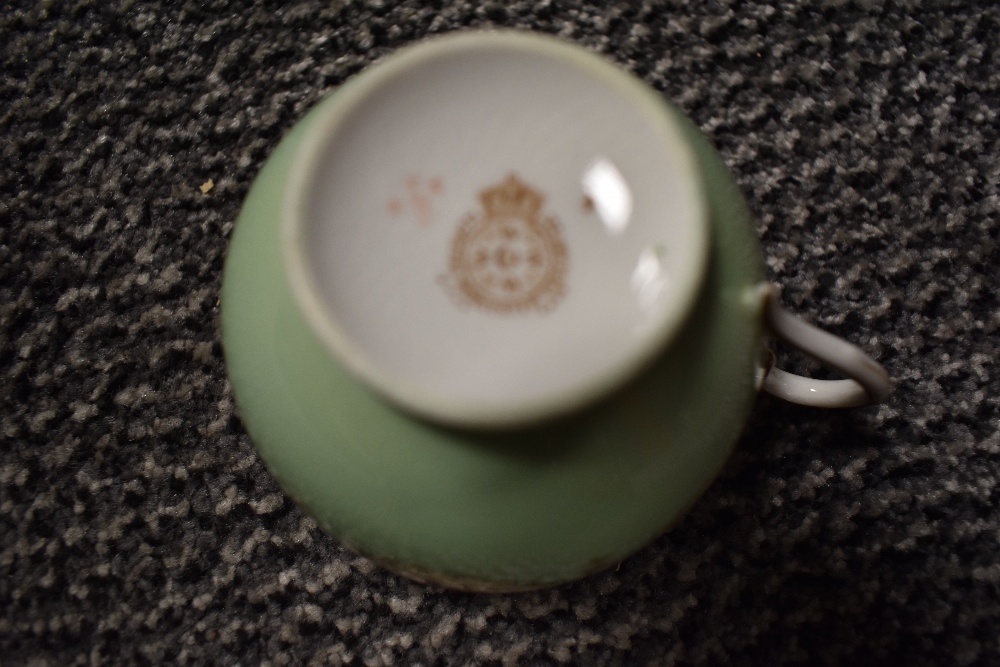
649,278
605,190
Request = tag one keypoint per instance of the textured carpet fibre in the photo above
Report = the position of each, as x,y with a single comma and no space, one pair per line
137,525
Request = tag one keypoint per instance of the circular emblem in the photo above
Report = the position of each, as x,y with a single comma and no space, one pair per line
508,256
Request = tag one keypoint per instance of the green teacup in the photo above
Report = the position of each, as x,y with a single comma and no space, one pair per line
494,314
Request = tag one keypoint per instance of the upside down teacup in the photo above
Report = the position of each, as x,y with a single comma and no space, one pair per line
495,314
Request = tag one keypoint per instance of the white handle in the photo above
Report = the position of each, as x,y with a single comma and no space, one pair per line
869,382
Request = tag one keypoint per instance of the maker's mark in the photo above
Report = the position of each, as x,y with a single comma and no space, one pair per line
508,257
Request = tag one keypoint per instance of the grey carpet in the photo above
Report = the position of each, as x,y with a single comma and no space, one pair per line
137,525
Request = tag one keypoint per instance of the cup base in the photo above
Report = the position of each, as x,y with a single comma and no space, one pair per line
492,229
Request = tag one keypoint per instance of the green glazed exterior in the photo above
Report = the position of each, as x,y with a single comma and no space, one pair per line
505,510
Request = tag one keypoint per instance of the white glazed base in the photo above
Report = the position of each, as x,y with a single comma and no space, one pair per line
491,229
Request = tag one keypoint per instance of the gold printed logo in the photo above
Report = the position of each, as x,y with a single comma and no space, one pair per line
508,257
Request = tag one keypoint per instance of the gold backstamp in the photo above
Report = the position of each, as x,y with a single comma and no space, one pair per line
508,257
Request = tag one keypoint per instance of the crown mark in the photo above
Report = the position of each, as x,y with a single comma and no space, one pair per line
508,257
512,198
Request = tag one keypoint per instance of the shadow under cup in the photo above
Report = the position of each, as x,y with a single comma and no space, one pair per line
495,230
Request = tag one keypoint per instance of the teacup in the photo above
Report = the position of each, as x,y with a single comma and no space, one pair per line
495,313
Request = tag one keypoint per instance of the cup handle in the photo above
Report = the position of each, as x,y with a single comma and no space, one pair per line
869,381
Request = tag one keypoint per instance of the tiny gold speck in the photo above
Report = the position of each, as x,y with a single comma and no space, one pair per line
206,186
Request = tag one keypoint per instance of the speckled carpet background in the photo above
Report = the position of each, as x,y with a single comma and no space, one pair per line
137,525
